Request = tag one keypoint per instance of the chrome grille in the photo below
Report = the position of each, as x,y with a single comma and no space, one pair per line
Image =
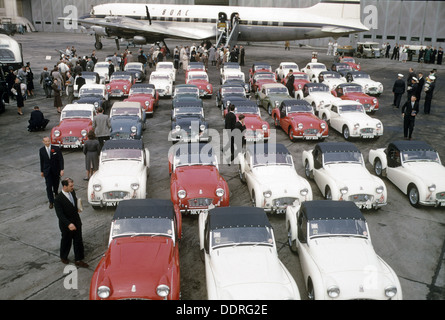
70,139
200,202
360,197
367,130
310,131
116,195
283,202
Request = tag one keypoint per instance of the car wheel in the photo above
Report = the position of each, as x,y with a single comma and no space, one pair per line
291,134
269,109
292,243
328,193
413,195
378,167
346,133
241,175
276,122
307,170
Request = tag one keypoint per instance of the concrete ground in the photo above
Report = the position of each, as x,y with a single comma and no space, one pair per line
411,241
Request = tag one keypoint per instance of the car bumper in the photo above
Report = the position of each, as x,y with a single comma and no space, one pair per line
112,198
69,143
364,201
304,136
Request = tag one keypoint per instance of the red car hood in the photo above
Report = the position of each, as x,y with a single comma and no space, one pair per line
199,178
130,262
141,97
364,98
305,118
74,125
253,122
119,83
199,83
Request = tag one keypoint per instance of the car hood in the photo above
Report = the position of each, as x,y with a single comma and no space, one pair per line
250,273
253,122
430,172
280,178
199,83
119,83
129,265
186,121
74,124
367,82
124,121
305,118
89,99
364,98
111,172
198,180
279,97
353,176
362,118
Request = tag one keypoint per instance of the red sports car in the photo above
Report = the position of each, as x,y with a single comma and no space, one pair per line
260,78
146,95
142,260
76,120
301,79
353,91
195,66
195,182
201,80
260,67
351,62
297,119
120,84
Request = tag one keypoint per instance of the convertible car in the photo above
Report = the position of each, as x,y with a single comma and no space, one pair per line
351,61
259,67
300,79
271,96
340,173
371,87
76,120
272,181
259,79
350,119
123,170
201,80
127,120
228,93
142,259
146,95
90,78
313,69
354,92
240,255
415,168
137,69
331,78
162,82
95,94
167,67
318,95
120,84
336,254
188,122
195,182
283,69
298,121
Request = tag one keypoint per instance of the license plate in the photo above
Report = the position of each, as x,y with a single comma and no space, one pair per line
311,137
197,211
367,136
111,204
281,211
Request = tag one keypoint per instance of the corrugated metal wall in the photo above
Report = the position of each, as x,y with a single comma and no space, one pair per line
406,22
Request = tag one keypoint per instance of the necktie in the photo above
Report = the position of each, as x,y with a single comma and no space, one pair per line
71,198
49,152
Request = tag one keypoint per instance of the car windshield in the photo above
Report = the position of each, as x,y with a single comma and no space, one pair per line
361,76
344,67
125,112
164,66
230,77
318,66
160,77
299,108
232,66
193,91
348,60
265,76
142,91
290,66
322,88
89,77
263,67
121,154
101,65
352,108
198,77
247,109
133,67
71,114
337,227
261,159
420,155
142,227
343,157
331,76
120,77
188,110
241,236
91,92
301,76
232,90
278,90
352,89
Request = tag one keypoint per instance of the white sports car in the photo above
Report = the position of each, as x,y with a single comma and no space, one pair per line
336,254
271,178
313,69
330,78
240,255
340,173
167,67
283,70
415,168
350,119
122,175
163,83
370,86
318,95
102,68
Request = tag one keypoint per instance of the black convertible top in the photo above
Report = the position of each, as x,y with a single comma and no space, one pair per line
123,144
144,208
295,102
236,217
329,209
404,145
337,147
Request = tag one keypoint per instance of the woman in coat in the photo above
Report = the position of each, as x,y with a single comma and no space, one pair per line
17,92
57,95
91,149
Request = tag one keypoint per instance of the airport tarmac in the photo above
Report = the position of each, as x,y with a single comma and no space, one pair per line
411,241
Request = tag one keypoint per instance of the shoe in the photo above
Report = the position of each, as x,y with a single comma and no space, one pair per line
65,261
86,179
51,205
20,114
81,264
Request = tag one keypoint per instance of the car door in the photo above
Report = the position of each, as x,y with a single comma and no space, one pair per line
395,171
335,118
318,169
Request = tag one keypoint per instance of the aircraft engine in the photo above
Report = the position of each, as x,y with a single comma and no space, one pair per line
100,31
139,40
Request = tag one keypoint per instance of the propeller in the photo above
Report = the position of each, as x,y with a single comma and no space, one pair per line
148,14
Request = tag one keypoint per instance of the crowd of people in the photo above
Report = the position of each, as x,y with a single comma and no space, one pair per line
428,54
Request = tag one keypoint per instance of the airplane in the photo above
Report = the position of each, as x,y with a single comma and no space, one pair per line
153,23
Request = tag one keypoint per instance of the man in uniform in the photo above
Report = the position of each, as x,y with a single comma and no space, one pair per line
398,90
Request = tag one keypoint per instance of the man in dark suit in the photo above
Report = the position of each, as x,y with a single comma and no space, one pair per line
241,126
409,111
420,83
51,168
70,224
290,82
229,124
37,121
398,90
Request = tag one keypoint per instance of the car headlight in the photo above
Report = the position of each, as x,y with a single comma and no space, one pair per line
344,190
220,192
84,133
304,192
208,87
147,103
96,104
432,188
103,292
167,88
134,129
264,127
300,126
323,126
379,189
300,87
202,127
358,100
267,194
356,126
57,133
163,290
277,104
108,87
333,292
390,291
374,101
97,187
135,186
125,87
379,125
381,87
178,128
182,194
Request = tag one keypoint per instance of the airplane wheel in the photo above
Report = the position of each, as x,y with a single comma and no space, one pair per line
99,45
